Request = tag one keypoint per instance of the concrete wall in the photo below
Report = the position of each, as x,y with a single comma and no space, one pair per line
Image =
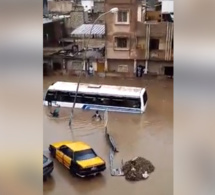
153,16
99,6
164,32
120,66
97,10
139,13
52,33
93,43
157,68
77,14
60,6
77,18
74,65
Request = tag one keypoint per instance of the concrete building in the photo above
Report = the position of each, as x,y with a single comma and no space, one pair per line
137,35
63,17
96,11
76,11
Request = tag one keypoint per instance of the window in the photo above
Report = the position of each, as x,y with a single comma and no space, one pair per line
112,101
84,155
79,98
122,16
121,42
126,102
63,96
132,103
96,99
154,44
66,151
51,96
89,99
145,97
103,100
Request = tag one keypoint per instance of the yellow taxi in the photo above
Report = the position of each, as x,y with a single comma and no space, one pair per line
78,157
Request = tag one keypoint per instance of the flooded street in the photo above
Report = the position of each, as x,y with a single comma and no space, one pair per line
149,135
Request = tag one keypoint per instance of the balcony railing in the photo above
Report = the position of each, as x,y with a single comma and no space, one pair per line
157,55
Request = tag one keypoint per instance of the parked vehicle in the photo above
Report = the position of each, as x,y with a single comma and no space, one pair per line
48,167
78,157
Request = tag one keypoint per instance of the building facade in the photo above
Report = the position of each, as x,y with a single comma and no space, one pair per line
136,36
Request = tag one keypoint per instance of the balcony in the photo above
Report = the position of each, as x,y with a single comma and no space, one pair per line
140,53
158,30
157,55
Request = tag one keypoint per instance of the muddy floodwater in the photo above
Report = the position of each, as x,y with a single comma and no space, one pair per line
149,135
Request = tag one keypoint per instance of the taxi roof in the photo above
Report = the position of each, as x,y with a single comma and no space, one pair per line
77,146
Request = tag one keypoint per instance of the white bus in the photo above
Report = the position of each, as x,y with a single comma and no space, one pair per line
98,97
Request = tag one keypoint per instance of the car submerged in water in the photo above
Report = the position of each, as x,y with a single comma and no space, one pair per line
78,157
48,167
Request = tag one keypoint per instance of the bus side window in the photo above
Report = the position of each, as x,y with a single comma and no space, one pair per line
71,97
50,96
117,102
89,99
131,103
101,100
145,98
63,96
79,98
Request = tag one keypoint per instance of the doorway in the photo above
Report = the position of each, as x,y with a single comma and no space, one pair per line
100,66
168,71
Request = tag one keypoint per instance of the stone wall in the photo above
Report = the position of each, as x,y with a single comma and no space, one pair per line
77,16
60,6
99,6
120,66
76,11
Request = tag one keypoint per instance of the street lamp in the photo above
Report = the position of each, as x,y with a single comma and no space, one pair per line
112,11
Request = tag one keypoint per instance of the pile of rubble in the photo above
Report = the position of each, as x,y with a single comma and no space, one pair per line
137,169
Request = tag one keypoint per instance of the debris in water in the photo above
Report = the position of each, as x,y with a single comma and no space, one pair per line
137,169
145,175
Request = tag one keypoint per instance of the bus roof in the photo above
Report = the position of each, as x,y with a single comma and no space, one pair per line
98,89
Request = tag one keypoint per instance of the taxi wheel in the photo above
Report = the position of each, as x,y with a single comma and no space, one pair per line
72,172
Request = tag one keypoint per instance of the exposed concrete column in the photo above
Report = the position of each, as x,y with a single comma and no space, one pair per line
135,65
146,67
64,69
51,64
84,65
106,65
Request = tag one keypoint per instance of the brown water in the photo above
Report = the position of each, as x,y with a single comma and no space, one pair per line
149,135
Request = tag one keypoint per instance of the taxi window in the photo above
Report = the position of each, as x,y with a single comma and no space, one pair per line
84,155
67,151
